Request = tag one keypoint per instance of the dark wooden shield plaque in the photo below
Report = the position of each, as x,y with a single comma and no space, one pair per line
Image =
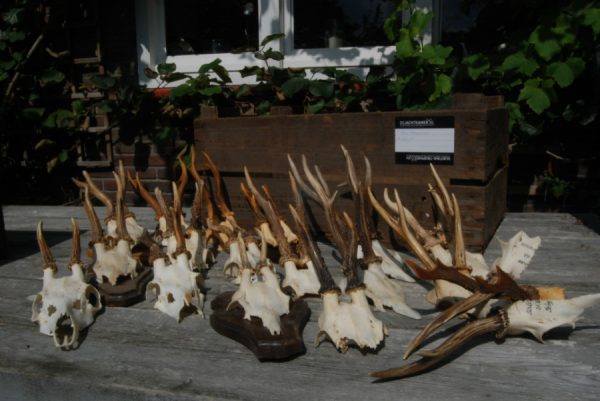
127,291
254,336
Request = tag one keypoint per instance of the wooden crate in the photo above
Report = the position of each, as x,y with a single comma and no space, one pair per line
478,175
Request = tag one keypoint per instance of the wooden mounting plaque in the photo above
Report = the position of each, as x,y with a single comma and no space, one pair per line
128,292
254,336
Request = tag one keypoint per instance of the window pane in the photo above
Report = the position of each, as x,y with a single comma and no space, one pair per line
337,23
213,26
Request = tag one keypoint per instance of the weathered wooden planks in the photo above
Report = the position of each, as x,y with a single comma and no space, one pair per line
137,353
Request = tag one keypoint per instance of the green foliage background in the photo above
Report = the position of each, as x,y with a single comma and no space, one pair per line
542,56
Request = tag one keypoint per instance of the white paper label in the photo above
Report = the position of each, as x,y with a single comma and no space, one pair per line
422,140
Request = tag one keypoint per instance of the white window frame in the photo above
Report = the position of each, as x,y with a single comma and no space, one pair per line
275,16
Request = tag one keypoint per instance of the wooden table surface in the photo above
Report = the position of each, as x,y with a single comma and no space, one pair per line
138,353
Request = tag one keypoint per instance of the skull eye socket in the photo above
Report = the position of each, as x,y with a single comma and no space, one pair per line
170,298
51,310
92,297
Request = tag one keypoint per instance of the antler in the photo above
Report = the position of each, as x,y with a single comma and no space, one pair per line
221,204
267,207
49,261
121,227
144,194
96,192
95,226
75,245
400,227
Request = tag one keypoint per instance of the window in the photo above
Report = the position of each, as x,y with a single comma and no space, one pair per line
318,33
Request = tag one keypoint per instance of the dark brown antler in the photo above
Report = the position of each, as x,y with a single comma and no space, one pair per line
95,226
284,248
221,204
313,252
183,179
75,245
360,210
96,192
144,194
48,259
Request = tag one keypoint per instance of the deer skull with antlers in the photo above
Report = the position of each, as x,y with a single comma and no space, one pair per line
66,305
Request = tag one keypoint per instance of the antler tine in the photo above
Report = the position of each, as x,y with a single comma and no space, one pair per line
322,180
401,229
360,210
78,183
456,309
368,172
437,200
183,179
354,183
502,283
221,204
432,358
243,253
410,219
284,248
441,272
93,218
445,197
196,221
472,329
121,227
263,249
123,179
460,259
260,216
175,218
96,192
146,196
176,198
48,259
163,207
305,188
350,262
75,245
210,209
325,279
417,248
327,204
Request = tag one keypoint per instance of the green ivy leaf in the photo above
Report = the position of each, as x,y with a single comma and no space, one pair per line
404,46
576,64
166,68
562,74
591,18
211,91
514,114
181,91
103,82
163,134
272,37
418,21
13,16
243,90
536,98
51,76
321,88
249,71
437,54
273,55
263,107
150,73
293,86
33,113
316,107
477,65
544,42
520,63
443,86
174,76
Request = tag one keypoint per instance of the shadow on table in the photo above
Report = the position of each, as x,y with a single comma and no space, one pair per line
20,244
590,220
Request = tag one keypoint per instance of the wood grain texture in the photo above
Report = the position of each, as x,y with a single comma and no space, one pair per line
138,353
262,143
